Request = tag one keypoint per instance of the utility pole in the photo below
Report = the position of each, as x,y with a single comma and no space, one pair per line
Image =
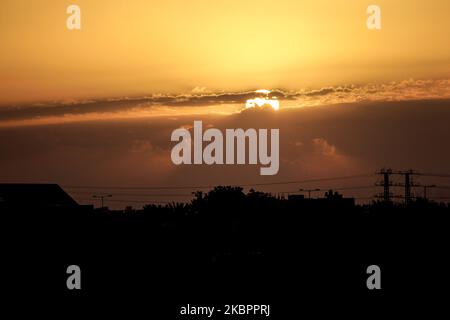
309,191
102,197
385,183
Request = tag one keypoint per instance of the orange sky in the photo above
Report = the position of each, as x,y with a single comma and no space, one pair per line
140,47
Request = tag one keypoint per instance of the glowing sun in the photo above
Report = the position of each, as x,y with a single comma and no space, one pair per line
262,99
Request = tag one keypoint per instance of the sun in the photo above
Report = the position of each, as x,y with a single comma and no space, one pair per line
262,99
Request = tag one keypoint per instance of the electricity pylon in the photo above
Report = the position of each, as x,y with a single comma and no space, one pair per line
386,183
408,184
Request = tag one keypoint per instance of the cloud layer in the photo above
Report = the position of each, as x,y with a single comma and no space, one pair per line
200,101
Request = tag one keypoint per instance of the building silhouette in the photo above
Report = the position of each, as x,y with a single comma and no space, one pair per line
20,195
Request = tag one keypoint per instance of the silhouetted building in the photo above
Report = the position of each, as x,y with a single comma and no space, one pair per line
331,200
17,195
296,197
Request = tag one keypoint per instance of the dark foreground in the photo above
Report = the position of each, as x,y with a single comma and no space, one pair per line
228,248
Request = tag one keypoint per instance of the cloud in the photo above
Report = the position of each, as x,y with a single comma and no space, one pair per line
141,146
322,146
198,90
200,101
320,92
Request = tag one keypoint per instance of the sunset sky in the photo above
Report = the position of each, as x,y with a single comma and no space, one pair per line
97,106
132,48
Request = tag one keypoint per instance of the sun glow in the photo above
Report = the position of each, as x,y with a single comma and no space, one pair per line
262,99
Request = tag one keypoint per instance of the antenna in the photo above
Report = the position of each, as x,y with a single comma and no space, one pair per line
102,197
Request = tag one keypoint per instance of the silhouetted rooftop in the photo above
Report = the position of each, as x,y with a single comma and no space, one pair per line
36,195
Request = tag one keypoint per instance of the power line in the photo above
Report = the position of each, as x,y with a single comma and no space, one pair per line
156,201
408,183
212,186
334,188
133,201
190,194
437,175
354,188
138,194
102,197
